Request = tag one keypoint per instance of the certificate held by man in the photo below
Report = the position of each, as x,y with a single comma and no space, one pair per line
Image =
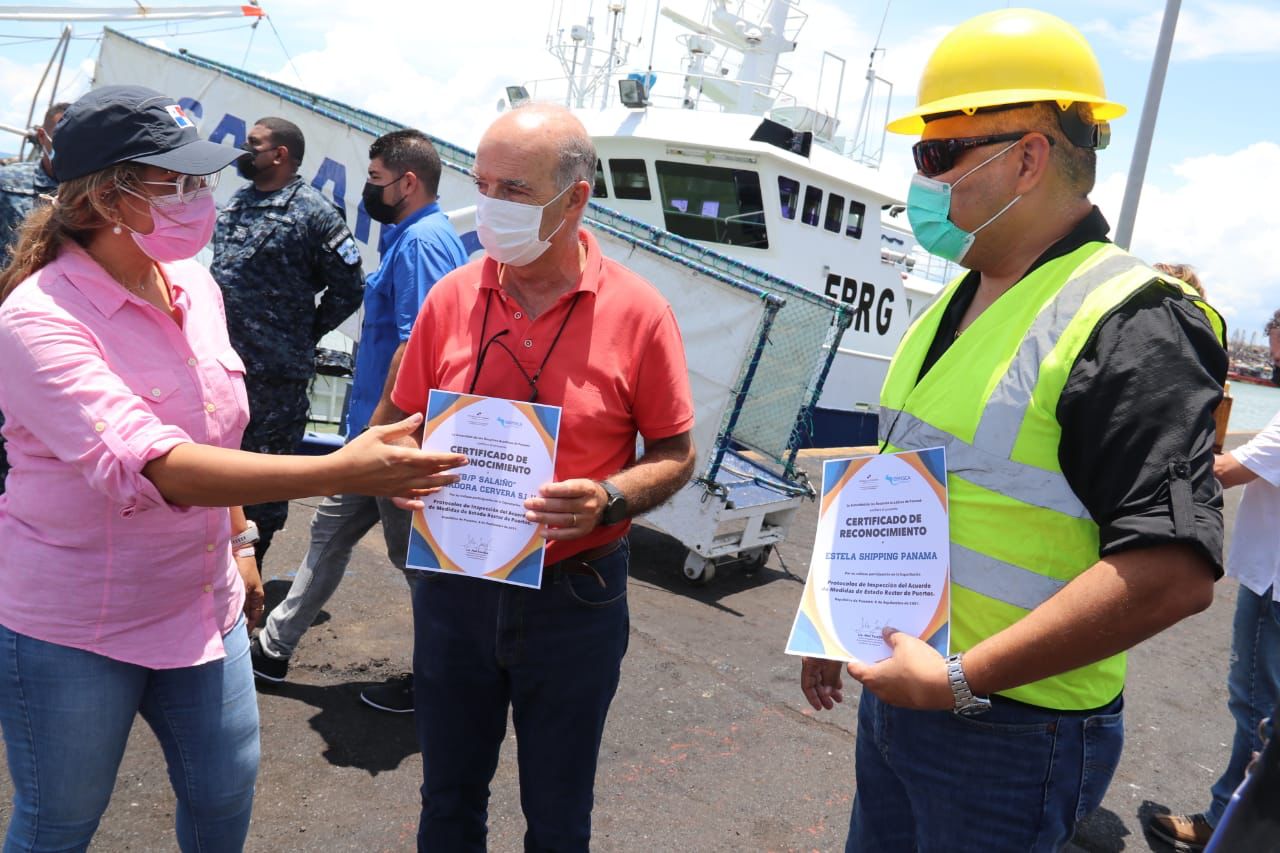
881,558
477,525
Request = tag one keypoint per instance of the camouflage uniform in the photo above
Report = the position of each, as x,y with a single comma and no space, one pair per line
273,254
21,185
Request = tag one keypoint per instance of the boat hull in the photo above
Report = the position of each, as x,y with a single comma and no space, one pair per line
841,428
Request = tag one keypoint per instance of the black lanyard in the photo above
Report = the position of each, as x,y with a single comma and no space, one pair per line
484,348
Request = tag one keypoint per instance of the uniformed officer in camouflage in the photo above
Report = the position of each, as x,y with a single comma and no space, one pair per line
278,245
21,186
22,183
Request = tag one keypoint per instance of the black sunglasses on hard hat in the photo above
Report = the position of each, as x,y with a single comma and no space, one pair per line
935,156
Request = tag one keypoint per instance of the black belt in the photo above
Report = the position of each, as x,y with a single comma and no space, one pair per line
580,563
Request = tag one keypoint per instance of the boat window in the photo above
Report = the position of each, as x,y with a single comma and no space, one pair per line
630,179
812,205
835,213
789,195
712,203
857,214
601,189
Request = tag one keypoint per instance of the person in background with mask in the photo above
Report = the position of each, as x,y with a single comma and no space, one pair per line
128,583
22,184
21,187
545,317
279,244
1073,389
418,247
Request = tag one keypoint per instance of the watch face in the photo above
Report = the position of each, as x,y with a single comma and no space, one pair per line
615,510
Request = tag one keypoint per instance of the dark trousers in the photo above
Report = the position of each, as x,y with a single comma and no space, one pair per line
1013,780
552,655
278,410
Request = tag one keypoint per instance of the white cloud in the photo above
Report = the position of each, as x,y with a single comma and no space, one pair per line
1220,215
1204,31
442,71
18,83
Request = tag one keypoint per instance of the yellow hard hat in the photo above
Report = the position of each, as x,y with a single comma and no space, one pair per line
1011,56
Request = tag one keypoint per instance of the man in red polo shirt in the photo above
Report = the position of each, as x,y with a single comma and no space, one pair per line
543,317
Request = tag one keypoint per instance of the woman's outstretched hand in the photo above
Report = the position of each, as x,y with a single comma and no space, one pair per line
386,461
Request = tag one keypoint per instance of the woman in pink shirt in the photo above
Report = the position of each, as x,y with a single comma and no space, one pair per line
119,592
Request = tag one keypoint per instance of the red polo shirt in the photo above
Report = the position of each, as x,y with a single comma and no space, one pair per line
617,370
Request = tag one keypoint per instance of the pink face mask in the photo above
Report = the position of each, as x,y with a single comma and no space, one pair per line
180,229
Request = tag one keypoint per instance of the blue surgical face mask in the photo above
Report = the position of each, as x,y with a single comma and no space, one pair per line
929,211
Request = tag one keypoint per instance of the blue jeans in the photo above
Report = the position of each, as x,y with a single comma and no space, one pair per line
339,523
67,713
1015,779
553,655
1253,687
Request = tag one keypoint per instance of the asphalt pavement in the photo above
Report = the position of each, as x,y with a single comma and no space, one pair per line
710,745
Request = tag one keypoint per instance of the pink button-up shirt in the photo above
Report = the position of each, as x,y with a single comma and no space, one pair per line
94,384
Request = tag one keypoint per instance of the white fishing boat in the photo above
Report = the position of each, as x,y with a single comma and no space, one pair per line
720,152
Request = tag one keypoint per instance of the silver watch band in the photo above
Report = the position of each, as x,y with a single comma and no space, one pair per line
965,702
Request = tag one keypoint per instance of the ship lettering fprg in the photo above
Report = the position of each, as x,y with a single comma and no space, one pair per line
862,296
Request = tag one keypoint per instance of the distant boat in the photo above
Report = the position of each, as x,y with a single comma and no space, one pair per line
1250,376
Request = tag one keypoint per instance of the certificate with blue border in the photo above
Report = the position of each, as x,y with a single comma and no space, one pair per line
476,526
881,558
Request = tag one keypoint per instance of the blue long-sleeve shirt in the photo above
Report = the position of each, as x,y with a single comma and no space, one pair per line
416,253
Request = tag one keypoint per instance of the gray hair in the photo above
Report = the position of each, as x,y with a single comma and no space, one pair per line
575,161
576,154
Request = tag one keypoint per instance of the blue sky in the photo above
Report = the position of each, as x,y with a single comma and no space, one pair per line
1212,182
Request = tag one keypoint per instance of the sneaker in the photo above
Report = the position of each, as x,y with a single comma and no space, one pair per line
265,666
1184,832
394,695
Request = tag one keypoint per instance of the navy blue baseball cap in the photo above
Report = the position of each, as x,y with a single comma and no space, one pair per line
132,124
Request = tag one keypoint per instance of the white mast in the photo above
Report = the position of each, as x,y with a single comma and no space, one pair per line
1147,125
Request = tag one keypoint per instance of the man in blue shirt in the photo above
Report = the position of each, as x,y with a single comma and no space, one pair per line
418,247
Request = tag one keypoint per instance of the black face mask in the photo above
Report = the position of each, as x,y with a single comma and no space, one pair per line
377,208
247,164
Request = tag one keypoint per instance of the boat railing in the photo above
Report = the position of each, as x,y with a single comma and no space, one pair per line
781,386
931,267
664,90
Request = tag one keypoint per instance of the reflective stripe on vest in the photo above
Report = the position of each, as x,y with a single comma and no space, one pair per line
1000,580
1002,417
1022,482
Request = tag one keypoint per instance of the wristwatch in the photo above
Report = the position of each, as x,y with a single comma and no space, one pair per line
967,704
615,508
245,537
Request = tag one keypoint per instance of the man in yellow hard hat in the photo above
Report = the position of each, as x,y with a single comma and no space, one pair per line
1073,389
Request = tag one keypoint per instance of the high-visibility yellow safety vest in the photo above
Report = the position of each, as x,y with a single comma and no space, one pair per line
1018,532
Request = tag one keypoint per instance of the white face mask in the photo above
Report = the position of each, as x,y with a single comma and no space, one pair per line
508,230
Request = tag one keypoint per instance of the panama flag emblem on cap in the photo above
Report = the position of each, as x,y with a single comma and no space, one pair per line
179,116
